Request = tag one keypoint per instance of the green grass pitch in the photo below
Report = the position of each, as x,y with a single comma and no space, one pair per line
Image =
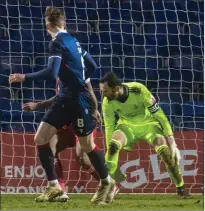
122,202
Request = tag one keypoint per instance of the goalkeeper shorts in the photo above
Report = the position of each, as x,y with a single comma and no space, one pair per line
147,131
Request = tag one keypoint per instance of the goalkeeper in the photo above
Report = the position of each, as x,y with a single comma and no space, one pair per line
140,118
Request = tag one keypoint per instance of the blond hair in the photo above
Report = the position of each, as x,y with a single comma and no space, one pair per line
55,17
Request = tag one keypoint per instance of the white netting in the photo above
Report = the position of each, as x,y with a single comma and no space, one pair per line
156,42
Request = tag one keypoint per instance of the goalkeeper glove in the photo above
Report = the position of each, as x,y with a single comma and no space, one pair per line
175,153
177,156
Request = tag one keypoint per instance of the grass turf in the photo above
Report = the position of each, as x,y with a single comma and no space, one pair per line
122,202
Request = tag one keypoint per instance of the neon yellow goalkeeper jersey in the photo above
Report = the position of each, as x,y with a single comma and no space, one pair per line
139,108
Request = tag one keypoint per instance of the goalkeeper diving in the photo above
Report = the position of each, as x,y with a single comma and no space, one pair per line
140,118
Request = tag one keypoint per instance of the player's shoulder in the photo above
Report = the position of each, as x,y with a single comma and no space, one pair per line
55,43
63,38
105,101
134,87
84,52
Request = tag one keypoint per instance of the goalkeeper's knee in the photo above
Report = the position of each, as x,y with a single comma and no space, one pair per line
120,137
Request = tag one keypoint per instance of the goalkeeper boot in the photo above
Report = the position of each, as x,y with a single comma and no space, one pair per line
102,192
51,192
111,195
62,198
182,193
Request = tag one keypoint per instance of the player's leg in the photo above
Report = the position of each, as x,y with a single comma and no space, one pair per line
59,172
123,137
153,134
57,163
117,142
53,120
42,137
162,149
97,159
84,161
58,168
65,138
83,123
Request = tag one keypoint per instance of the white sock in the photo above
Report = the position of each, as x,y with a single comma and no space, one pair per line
53,182
106,179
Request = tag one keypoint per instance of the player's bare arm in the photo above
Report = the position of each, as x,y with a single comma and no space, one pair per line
32,106
17,77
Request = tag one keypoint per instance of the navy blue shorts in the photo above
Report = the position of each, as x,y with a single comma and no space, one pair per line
75,110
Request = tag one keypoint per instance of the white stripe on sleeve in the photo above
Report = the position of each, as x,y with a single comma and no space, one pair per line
84,53
87,80
54,56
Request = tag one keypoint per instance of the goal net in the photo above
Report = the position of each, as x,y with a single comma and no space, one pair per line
156,42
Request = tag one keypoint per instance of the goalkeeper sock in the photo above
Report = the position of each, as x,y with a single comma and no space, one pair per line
98,161
59,172
170,164
47,161
113,156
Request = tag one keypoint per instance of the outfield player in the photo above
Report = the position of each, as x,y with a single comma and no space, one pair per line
66,138
72,105
140,118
